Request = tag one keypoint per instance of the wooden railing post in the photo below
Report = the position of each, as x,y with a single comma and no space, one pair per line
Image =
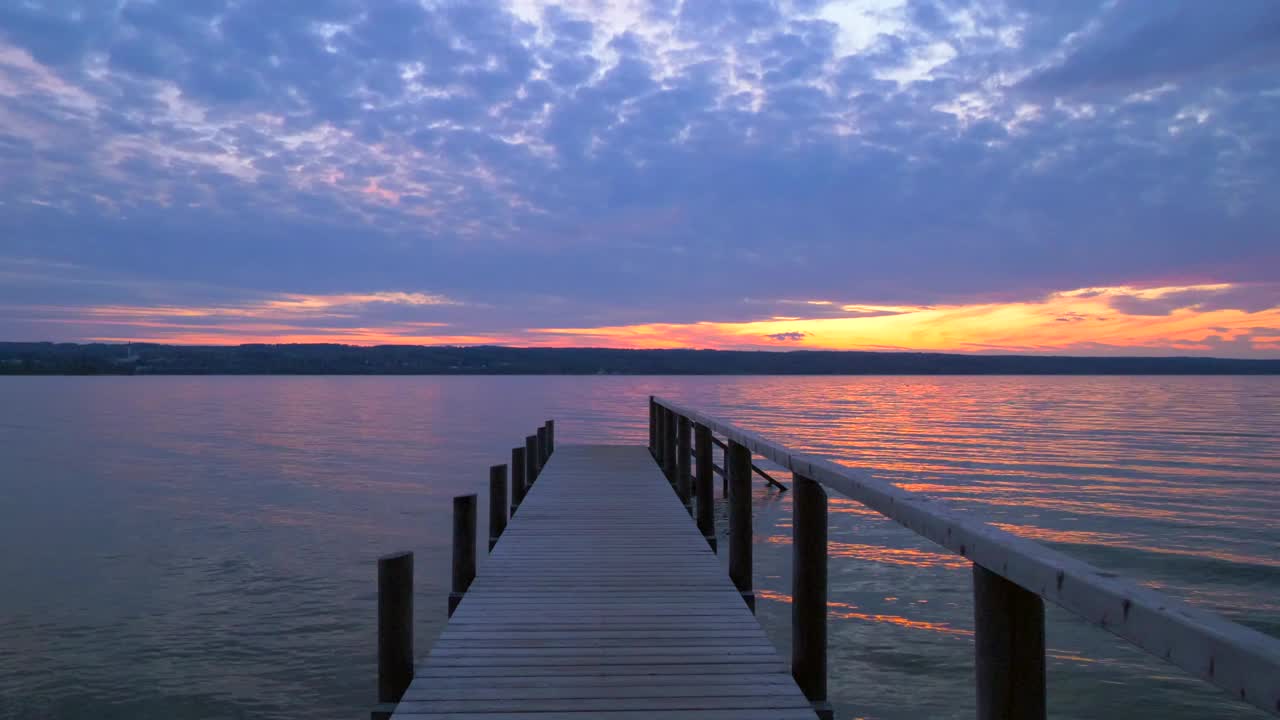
518,486
541,437
661,422
653,428
464,548
395,626
551,438
738,468
809,592
669,446
1009,649
704,483
497,503
530,462
684,456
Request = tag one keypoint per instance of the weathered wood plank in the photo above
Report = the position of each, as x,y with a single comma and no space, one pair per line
623,611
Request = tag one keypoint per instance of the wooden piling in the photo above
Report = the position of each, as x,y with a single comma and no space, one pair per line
704,479
809,592
551,438
684,455
738,468
395,625
541,435
464,548
497,503
1009,649
530,461
517,479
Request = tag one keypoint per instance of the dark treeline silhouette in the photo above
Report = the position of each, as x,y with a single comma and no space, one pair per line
139,359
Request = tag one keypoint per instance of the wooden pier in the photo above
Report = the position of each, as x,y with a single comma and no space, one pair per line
602,600
602,596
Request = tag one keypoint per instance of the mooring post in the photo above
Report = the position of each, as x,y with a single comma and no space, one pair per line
530,461
704,478
517,479
669,447
684,457
497,503
1009,648
464,548
541,435
395,626
738,468
809,592
551,438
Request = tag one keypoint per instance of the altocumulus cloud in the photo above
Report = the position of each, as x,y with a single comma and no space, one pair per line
633,164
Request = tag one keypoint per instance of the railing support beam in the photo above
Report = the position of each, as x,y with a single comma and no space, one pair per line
704,475
684,474
738,468
809,592
669,445
653,428
1009,649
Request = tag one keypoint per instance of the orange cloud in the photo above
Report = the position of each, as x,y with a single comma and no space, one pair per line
1225,319
1083,320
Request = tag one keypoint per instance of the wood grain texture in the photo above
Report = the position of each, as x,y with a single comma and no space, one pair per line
623,612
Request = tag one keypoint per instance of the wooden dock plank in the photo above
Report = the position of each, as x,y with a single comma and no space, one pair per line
602,600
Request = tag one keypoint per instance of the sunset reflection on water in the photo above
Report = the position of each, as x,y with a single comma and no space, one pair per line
198,511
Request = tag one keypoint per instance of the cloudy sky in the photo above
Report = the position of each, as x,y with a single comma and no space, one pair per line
994,175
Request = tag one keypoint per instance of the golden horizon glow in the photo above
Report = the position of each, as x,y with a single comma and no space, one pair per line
1159,320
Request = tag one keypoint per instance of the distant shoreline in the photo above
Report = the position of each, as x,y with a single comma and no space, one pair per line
38,358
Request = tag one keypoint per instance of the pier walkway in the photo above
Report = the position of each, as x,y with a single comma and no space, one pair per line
602,600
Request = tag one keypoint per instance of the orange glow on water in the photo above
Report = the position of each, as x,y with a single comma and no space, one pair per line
847,611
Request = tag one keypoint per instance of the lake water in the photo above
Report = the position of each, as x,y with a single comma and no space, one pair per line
204,547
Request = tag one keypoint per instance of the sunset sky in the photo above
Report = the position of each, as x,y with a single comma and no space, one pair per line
1067,176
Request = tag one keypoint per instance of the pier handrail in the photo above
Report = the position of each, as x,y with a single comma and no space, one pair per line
1238,659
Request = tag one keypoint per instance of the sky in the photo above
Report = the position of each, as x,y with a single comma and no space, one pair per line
1043,176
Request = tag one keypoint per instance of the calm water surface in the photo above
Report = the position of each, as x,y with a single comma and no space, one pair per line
204,547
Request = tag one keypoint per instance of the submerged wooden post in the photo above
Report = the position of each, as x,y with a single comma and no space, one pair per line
541,435
551,438
517,479
704,478
395,625
464,548
530,461
738,468
809,592
1009,648
497,503
684,454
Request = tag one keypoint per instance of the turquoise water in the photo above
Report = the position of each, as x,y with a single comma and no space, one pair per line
203,547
